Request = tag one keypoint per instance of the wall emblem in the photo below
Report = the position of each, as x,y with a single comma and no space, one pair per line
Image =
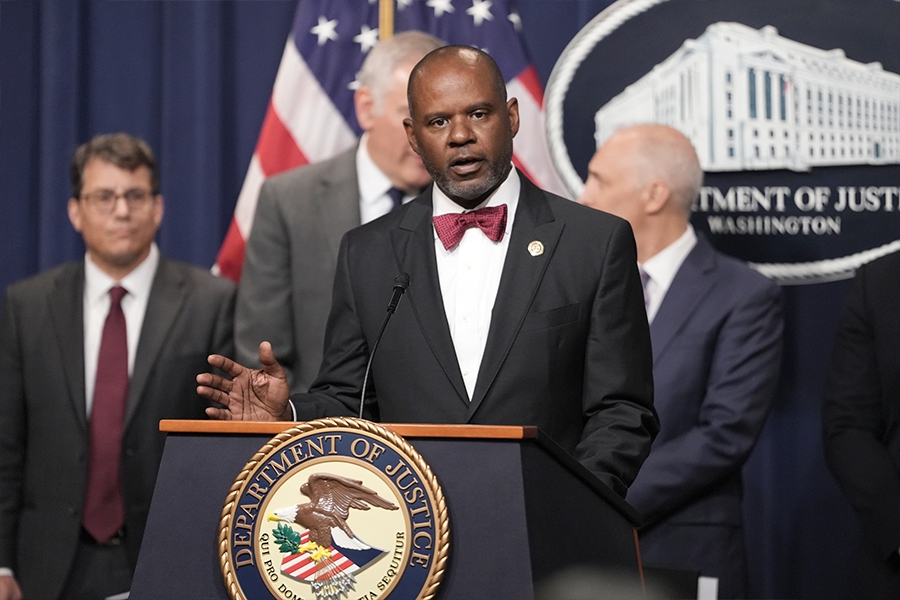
334,508
793,107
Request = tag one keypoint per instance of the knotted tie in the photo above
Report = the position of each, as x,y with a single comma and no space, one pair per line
104,509
645,279
490,219
396,196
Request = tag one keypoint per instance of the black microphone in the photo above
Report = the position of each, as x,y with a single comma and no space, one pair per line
401,282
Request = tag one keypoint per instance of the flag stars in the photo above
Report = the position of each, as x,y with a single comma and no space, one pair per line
401,4
367,38
325,30
516,20
480,11
440,7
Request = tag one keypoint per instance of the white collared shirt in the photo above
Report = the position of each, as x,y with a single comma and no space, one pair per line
96,307
469,275
373,184
662,268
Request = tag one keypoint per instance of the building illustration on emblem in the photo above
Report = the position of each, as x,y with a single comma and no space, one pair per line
751,99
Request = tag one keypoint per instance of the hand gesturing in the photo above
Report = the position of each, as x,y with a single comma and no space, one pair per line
250,394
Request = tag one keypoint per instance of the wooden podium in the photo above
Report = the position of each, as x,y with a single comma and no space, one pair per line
520,509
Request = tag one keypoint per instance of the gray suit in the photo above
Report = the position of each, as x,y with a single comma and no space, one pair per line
43,425
285,291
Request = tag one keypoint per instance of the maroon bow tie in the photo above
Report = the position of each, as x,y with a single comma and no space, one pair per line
490,219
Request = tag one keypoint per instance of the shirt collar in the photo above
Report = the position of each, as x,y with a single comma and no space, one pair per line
377,183
138,282
663,265
506,193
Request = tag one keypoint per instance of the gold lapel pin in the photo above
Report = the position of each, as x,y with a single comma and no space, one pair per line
535,248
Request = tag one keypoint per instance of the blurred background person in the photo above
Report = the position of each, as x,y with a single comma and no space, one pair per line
861,420
92,355
715,329
284,295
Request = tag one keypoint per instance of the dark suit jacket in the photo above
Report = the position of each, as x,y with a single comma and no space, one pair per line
43,429
861,418
717,341
284,295
568,345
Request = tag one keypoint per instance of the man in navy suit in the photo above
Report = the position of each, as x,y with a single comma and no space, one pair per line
531,317
715,329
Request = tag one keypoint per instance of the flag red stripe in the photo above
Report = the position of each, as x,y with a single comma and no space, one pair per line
529,78
231,254
276,149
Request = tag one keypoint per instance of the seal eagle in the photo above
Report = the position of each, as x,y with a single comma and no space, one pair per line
331,498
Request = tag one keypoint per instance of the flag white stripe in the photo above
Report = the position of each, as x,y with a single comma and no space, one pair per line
247,199
306,111
530,144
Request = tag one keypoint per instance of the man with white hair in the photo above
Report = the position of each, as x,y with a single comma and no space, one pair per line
715,329
284,295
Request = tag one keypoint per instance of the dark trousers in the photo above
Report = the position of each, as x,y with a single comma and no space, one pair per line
713,550
99,571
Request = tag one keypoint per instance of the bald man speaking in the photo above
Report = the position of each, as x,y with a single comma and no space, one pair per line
715,329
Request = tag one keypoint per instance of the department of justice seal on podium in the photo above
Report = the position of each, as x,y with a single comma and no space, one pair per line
337,508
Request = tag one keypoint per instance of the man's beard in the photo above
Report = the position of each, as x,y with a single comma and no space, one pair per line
497,173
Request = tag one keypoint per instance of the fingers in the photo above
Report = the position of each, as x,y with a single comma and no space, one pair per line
219,414
214,395
216,382
225,364
269,363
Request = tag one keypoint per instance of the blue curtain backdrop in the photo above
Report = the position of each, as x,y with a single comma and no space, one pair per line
194,77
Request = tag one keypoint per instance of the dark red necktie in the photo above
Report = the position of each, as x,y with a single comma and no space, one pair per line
490,219
104,509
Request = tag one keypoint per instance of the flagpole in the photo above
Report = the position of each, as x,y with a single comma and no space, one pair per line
385,19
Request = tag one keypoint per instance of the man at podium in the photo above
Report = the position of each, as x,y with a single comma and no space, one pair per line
523,308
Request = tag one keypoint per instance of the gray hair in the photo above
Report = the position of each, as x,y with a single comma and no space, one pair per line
665,154
403,49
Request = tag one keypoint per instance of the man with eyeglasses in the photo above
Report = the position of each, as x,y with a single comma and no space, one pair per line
92,355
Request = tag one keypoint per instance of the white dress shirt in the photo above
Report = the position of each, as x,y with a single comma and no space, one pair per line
469,275
662,268
96,307
373,184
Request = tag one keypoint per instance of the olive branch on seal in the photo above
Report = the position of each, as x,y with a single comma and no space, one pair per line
287,538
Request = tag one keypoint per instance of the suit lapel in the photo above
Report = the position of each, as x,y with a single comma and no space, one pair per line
337,218
167,298
413,243
690,286
67,313
519,282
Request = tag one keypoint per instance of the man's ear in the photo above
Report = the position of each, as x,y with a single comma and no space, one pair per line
74,210
656,196
411,135
364,103
512,108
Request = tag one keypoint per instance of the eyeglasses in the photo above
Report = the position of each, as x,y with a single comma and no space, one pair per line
103,202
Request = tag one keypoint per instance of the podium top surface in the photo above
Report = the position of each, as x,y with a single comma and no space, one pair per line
499,432
421,431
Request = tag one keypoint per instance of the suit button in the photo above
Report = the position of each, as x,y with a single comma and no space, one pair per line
129,452
72,512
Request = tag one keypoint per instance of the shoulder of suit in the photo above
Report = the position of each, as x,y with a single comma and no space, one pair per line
883,267
200,279
580,216
40,283
727,266
307,174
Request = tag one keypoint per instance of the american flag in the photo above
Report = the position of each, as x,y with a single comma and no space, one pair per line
311,116
343,560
